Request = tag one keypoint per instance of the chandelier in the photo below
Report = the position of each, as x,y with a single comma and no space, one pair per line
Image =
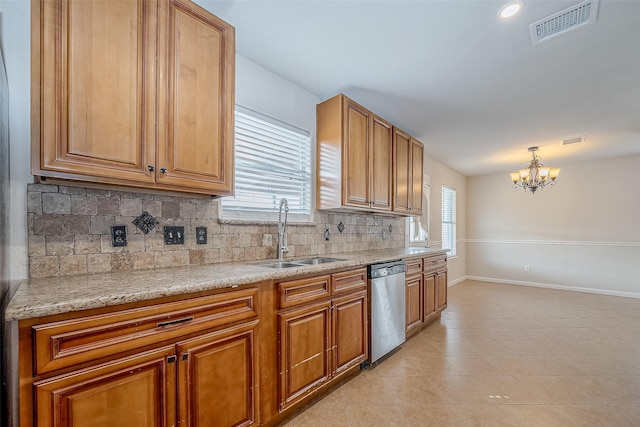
535,175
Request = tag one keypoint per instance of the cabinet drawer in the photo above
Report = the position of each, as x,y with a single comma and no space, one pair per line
434,263
414,266
304,290
70,342
349,281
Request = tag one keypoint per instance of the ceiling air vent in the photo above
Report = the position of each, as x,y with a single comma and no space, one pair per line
574,140
582,14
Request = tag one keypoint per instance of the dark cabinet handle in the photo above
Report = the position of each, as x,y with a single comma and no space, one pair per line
171,359
163,170
151,168
185,356
175,322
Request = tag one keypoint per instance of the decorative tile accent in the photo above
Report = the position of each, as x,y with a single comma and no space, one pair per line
145,222
341,227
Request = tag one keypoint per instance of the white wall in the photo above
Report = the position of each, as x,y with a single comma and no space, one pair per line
265,92
583,234
440,175
15,42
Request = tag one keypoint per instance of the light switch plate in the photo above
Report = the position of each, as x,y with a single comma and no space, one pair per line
174,235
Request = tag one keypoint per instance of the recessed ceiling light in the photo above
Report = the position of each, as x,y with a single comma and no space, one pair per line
510,9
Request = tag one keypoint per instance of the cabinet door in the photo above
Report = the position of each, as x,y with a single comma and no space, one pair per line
136,391
442,290
304,351
429,296
413,302
417,171
196,113
355,152
94,89
217,378
401,166
349,333
381,164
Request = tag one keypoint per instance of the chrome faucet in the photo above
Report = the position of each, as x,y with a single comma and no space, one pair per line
282,229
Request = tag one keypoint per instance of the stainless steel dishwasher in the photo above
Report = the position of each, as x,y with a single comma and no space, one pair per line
387,322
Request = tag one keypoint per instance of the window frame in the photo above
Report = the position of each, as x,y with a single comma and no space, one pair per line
452,238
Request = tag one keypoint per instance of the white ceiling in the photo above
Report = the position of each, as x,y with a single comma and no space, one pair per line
471,86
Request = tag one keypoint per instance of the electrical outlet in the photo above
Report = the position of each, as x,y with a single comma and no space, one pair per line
201,235
118,235
174,235
527,268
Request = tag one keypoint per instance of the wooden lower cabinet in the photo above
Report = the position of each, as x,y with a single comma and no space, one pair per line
426,291
215,385
304,350
136,391
350,335
430,293
442,290
198,369
413,302
322,339
216,378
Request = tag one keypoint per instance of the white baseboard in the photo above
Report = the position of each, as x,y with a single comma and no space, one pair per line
549,286
455,282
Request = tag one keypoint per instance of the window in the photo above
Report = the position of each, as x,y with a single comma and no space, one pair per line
449,220
272,161
419,225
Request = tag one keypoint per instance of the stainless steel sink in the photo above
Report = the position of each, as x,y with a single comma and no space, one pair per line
283,264
300,262
320,260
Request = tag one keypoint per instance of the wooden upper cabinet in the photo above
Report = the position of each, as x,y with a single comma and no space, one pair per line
408,171
381,164
353,157
401,171
135,93
94,89
355,152
417,172
197,58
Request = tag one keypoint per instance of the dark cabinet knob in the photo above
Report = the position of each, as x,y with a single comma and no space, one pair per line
163,170
151,168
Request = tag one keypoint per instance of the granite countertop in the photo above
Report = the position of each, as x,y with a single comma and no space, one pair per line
48,296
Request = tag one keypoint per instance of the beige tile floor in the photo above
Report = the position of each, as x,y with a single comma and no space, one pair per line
502,355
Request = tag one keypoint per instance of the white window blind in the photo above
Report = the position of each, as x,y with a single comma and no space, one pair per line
272,161
449,220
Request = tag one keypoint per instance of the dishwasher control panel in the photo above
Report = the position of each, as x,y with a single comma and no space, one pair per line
386,269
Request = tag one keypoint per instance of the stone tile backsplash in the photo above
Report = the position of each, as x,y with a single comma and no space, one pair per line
70,232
